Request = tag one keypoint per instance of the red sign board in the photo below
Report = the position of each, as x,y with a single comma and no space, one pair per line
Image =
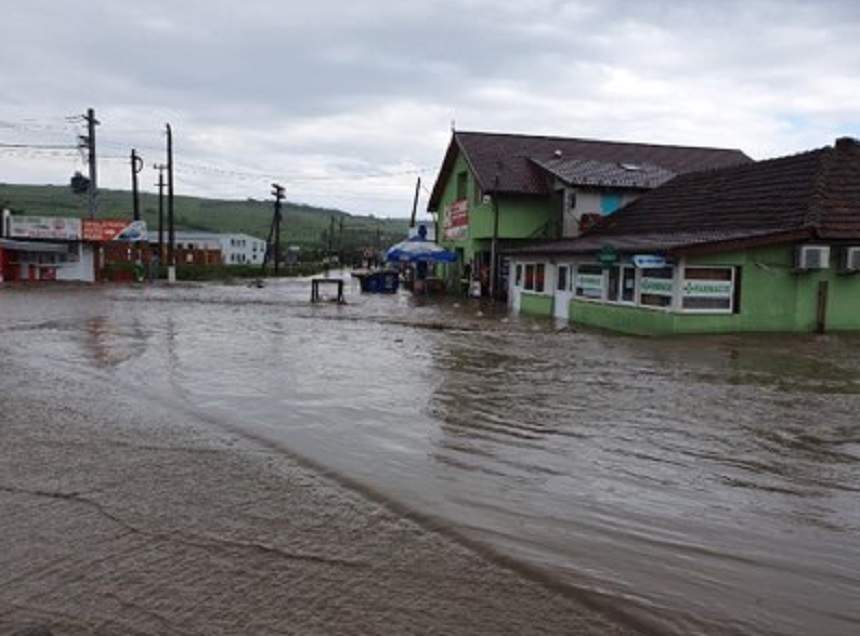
457,220
104,230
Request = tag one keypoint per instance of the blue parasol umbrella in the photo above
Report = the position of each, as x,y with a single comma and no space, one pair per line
417,250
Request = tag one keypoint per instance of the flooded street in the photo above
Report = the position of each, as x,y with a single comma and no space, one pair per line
691,485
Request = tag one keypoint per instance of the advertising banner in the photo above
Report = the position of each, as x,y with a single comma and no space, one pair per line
658,286
105,230
457,221
709,288
649,261
59,228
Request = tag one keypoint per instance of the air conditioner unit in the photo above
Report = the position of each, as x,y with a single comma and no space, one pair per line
850,261
812,257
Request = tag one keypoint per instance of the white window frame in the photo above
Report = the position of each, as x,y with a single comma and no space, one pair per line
621,267
680,290
548,287
672,296
604,286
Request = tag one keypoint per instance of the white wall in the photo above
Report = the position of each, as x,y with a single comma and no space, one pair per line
588,201
82,269
242,249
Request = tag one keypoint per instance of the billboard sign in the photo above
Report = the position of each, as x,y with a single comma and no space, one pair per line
457,221
58,228
105,230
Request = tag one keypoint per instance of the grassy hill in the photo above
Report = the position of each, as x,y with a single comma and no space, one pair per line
302,225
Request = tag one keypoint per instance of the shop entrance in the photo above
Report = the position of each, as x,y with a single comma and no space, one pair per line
563,291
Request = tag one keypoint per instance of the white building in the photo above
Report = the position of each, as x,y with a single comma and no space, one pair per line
236,249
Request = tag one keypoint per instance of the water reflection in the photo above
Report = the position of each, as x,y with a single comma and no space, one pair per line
709,484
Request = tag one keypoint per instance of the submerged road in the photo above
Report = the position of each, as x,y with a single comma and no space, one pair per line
217,459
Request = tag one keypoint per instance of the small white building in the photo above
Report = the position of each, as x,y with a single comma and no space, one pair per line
236,249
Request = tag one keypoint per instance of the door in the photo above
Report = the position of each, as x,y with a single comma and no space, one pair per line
563,291
515,287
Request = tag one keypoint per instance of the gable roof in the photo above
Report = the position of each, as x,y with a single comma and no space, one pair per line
520,161
811,195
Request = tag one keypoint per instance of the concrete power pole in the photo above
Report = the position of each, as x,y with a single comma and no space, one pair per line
136,167
278,193
161,168
171,235
88,141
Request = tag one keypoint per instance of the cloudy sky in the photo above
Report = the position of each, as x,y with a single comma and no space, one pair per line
347,102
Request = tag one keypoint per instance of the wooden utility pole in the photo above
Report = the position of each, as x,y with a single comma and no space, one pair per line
278,193
161,168
88,141
136,167
171,235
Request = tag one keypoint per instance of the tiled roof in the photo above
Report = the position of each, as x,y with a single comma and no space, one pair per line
814,194
819,189
589,172
512,159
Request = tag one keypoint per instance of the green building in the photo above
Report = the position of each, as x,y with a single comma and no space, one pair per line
519,188
766,246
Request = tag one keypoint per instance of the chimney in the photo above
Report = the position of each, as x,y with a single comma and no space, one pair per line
847,143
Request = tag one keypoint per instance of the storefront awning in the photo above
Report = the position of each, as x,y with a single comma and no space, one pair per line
32,246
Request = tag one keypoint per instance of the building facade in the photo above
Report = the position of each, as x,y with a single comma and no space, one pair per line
512,189
770,246
235,249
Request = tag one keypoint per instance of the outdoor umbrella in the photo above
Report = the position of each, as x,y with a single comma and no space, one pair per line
416,250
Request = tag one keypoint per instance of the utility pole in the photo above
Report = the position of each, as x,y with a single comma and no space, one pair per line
415,202
136,168
278,193
340,243
161,168
493,246
171,236
88,141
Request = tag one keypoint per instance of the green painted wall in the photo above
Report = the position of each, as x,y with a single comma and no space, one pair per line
773,299
536,304
520,217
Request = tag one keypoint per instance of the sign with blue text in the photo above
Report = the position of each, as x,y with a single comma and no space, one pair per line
649,261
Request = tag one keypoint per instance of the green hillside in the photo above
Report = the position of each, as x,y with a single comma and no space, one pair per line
302,225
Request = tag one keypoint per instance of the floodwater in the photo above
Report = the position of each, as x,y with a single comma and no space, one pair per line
693,485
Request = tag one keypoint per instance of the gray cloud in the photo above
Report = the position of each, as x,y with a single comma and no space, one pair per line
346,102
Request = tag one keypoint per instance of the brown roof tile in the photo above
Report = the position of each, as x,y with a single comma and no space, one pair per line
814,194
512,158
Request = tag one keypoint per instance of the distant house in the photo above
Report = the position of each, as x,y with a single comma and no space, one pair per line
544,188
235,249
767,246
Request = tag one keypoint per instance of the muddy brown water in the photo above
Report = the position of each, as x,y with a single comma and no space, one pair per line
694,485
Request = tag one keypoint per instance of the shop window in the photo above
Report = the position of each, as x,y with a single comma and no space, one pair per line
656,287
518,276
589,282
561,280
462,184
708,289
